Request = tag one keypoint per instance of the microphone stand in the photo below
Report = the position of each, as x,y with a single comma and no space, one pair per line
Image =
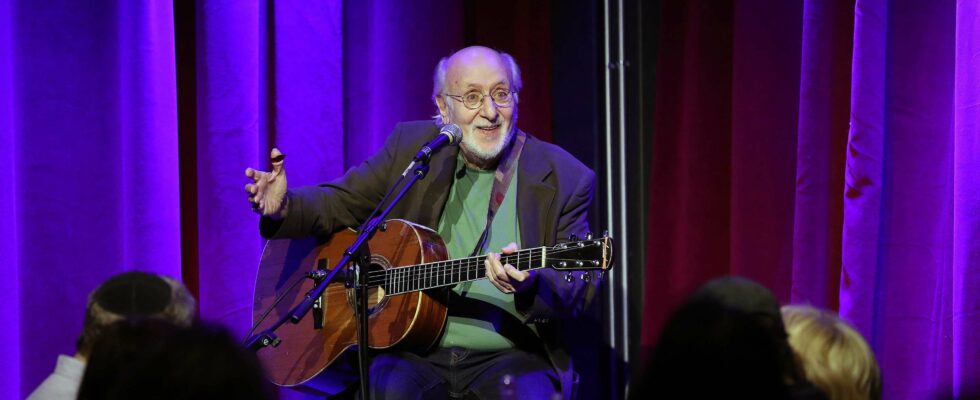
359,253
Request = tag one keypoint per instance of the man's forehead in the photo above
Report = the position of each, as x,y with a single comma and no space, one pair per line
478,72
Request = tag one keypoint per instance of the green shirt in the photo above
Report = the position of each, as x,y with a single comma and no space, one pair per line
479,309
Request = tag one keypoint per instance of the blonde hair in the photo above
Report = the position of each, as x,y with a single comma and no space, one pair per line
835,357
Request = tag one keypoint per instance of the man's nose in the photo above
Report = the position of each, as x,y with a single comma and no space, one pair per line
488,109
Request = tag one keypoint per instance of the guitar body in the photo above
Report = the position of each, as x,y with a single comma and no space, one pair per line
411,320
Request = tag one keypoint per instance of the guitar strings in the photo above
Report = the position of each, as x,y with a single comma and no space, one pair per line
409,278
378,276
406,281
462,264
533,253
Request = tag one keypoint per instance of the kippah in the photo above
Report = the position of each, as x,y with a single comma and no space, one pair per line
133,294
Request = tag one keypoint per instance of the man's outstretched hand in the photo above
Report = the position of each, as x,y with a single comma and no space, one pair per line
267,192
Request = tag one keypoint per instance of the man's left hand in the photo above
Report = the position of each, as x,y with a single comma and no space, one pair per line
507,278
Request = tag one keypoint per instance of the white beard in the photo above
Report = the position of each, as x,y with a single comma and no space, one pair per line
486,154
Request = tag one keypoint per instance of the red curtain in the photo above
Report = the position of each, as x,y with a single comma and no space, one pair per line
526,35
750,131
827,149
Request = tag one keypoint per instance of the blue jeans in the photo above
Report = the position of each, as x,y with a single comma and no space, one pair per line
462,374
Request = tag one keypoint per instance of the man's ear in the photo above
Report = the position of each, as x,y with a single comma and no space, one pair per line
443,109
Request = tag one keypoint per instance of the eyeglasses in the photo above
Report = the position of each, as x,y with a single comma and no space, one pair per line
474,99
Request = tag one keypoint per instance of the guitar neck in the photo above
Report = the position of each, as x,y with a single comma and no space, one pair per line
432,275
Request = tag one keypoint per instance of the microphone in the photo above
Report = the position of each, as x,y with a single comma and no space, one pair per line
450,135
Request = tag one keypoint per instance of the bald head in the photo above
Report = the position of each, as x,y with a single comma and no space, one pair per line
475,57
450,68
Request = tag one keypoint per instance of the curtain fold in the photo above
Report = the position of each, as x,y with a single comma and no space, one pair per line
821,140
965,313
268,74
390,52
10,304
233,120
898,209
879,220
309,91
689,184
765,106
89,116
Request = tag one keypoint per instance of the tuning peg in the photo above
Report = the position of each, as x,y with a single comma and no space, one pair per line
573,238
588,236
605,233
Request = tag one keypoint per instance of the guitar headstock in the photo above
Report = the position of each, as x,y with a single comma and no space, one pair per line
589,254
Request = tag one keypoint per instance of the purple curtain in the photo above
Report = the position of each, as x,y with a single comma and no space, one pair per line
912,211
824,90
88,106
10,373
273,74
390,51
267,74
88,121
965,313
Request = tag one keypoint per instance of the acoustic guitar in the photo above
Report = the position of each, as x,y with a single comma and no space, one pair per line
407,260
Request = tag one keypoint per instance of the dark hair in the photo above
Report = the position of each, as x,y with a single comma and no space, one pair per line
708,351
726,341
153,359
134,294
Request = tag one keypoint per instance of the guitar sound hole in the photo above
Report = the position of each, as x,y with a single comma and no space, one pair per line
376,295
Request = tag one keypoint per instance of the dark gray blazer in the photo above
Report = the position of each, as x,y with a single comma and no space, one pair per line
554,193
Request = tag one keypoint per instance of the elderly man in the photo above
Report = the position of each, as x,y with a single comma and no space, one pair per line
501,332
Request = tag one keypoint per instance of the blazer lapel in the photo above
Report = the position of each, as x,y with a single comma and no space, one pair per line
535,193
434,189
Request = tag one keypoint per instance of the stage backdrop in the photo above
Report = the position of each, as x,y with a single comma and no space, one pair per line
828,150
825,148
100,180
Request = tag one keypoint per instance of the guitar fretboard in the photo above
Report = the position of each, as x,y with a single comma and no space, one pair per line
417,277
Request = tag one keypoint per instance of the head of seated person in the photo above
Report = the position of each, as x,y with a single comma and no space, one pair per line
126,295
726,341
835,357
134,294
155,359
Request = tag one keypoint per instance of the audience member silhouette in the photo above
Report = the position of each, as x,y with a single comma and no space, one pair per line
834,356
151,359
726,341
